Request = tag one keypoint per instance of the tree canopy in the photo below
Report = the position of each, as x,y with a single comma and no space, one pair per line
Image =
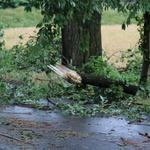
12,3
58,13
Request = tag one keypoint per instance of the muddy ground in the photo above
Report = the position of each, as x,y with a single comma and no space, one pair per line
23,128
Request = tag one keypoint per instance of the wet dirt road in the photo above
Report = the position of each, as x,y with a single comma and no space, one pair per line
24,128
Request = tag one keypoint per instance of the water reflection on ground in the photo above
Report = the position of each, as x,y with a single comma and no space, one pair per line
105,132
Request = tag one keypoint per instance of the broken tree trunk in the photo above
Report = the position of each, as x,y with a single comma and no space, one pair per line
106,83
83,79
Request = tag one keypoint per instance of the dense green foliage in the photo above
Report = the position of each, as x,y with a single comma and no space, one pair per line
12,3
18,84
57,14
130,74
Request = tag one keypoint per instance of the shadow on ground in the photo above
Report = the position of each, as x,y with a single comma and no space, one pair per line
24,128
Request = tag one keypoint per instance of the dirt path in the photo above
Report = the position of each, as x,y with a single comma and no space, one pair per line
24,128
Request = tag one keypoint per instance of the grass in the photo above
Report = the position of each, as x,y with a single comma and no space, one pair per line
18,22
19,18
111,17
11,36
114,39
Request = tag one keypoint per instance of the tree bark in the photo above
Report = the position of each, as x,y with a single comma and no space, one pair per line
70,44
80,41
106,83
146,48
71,52
95,44
83,79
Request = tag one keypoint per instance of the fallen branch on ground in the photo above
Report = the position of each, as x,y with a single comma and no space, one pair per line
83,79
106,83
66,73
11,137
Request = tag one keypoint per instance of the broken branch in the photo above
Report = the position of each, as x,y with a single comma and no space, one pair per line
8,136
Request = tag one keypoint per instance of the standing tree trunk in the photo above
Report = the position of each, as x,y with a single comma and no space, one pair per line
146,49
71,53
95,44
79,43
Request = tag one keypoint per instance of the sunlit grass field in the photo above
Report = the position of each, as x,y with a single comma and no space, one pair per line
13,18
114,39
19,22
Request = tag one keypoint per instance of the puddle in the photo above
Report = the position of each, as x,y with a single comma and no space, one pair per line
59,131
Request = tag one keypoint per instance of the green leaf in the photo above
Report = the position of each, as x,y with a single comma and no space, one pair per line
128,21
123,26
73,4
39,25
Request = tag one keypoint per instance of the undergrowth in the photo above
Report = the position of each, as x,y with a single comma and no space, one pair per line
18,83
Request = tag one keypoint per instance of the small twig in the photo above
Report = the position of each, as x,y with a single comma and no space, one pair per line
11,81
114,55
51,101
26,113
31,37
41,79
145,134
8,136
144,124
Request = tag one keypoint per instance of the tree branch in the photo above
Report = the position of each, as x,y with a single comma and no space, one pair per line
106,83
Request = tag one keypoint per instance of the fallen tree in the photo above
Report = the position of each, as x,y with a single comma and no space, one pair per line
84,79
103,82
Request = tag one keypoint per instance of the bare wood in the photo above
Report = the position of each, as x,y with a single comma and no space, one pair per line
66,73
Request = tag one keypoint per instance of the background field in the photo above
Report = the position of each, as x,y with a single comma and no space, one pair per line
18,22
19,18
113,37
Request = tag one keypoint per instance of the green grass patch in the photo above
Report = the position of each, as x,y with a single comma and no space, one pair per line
19,18
111,17
13,18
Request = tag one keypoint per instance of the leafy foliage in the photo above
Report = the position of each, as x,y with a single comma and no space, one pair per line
130,74
1,35
18,85
12,3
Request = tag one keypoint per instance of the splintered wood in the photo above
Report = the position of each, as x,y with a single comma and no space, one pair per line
66,73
